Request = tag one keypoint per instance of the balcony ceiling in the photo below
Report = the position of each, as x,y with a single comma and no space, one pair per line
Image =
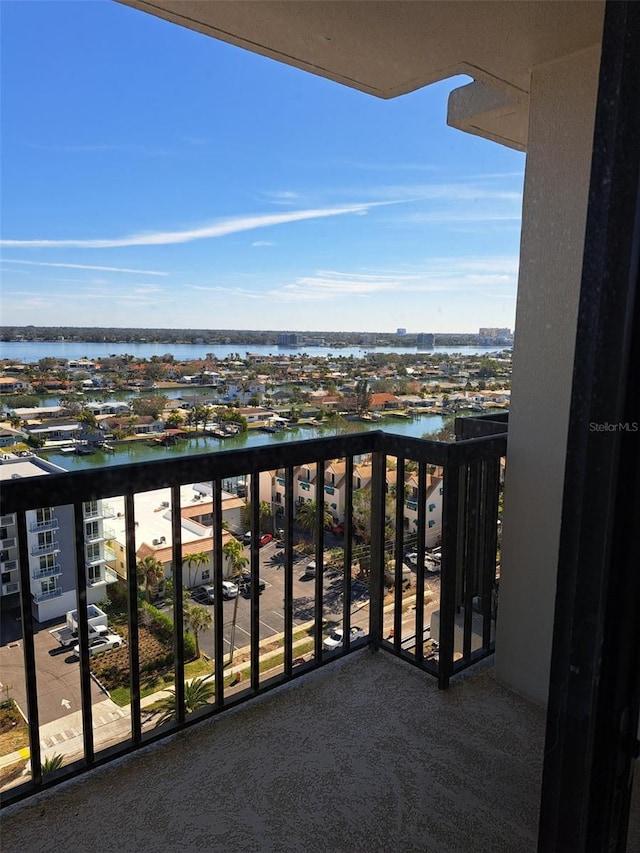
390,48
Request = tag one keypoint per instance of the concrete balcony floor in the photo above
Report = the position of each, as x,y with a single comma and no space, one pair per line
363,755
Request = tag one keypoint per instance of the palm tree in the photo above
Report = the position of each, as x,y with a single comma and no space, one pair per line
195,560
307,518
150,572
197,694
234,552
197,619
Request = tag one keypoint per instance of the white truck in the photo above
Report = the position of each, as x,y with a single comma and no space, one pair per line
68,634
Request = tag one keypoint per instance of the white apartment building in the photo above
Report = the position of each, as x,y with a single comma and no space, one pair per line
51,547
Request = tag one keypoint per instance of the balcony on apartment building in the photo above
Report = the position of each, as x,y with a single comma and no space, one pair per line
360,750
44,524
391,612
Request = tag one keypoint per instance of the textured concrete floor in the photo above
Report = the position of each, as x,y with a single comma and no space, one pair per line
364,755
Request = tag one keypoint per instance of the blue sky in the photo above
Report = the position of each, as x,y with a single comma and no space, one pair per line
154,177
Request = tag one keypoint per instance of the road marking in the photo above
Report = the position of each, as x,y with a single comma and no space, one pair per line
24,753
66,703
277,613
264,624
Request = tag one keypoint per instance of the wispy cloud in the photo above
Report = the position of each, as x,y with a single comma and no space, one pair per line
204,232
235,291
443,275
83,267
258,243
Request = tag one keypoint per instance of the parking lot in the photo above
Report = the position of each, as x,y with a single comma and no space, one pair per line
57,672
271,602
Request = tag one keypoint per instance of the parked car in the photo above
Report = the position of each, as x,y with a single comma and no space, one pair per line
338,529
431,563
310,569
265,539
101,644
245,584
203,594
335,640
247,538
229,589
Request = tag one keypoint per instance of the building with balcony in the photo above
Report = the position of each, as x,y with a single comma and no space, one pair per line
559,81
51,546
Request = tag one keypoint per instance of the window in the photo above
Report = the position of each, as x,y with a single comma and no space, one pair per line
329,490
48,585
93,552
45,540
91,508
44,515
94,573
48,561
92,530
4,556
441,490
432,523
278,498
206,574
4,533
432,507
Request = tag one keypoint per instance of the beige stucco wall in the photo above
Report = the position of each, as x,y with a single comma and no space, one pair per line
561,120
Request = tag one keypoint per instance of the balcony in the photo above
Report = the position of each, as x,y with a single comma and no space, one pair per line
10,588
44,524
6,520
48,572
9,566
104,511
8,542
45,548
47,596
389,609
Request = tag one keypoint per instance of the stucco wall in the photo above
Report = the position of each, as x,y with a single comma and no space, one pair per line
561,119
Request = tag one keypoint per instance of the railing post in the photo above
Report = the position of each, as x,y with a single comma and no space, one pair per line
449,566
83,633
133,617
376,577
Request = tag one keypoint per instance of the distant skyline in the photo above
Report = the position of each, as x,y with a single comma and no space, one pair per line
157,178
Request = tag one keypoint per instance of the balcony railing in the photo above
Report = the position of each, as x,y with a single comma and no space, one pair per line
398,608
44,524
8,542
48,572
45,548
47,596
104,511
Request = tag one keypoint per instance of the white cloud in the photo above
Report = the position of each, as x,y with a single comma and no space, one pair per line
204,232
83,267
439,276
263,243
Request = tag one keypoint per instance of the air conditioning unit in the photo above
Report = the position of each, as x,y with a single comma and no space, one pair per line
165,504
156,541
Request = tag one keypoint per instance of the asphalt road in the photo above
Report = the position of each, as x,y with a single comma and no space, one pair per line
271,606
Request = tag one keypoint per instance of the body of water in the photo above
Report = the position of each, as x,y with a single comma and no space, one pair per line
28,351
140,451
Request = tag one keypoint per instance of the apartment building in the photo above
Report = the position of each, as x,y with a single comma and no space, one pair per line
51,546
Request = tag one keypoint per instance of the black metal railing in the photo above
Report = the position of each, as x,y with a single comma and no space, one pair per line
401,606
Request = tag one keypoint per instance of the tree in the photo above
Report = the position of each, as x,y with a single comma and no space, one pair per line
152,405
197,694
174,420
234,552
150,573
307,518
363,396
197,618
195,560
